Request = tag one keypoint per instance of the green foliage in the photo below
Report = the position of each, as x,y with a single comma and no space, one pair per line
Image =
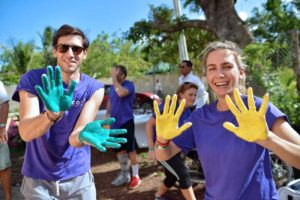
47,47
277,16
103,54
281,86
15,61
279,81
258,61
162,46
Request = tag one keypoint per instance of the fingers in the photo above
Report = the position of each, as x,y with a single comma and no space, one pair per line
51,76
184,127
111,144
71,88
117,131
231,106
117,140
58,78
167,105
239,102
251,102
264,105
100,147
41,92
180,109
173,104
46,83
107,121
156,110
230,127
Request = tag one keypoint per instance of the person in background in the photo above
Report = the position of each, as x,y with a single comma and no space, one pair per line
158,88
232,140
5,162
187,75
57,109
174,168
120,106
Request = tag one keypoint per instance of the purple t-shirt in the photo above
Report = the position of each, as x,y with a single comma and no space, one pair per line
121,108
233,168
51,157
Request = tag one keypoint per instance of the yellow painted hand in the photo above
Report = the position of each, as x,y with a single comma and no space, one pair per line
252,123
167,122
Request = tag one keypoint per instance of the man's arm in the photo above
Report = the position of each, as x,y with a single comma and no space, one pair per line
120,90
33,124
87,115
4,107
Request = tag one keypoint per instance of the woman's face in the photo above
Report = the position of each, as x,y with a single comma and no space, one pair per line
190,96
222,72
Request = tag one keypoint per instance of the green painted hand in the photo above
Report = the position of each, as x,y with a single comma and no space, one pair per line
167,122
95,135
252,123
53,94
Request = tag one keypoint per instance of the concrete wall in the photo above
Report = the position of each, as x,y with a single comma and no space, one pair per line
142,84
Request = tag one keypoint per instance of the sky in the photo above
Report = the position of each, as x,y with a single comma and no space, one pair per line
24,20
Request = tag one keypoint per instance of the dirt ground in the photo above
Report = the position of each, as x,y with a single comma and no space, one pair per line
105,168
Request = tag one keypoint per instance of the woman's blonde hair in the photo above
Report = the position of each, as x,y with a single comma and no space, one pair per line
237,53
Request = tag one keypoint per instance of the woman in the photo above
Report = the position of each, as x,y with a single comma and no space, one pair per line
236,166
174,168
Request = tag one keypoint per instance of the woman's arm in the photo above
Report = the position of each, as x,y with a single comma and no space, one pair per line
149,132
284,141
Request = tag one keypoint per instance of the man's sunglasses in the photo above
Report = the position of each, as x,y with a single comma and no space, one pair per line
63,48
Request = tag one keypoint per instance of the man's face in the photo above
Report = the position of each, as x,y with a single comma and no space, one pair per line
120,76
69,53
184,69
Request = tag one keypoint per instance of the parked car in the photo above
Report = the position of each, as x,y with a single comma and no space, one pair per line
143,100
139,126
143,107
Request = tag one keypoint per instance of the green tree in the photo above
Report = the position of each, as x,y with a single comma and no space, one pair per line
104,52
46,38
276,17
15,61
220,15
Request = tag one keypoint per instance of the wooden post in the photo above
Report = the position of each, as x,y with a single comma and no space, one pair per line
295,57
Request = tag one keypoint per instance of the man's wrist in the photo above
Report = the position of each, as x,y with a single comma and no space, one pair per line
52,119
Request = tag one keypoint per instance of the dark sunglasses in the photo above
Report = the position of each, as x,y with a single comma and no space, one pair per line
181,66
63,48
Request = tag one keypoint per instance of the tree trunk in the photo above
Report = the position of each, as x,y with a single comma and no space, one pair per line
224,21
295,57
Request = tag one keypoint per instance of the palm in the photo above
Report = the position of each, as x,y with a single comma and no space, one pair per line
96,135
53,94
252,123
167,122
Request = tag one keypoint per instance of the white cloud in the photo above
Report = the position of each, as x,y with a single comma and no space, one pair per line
243,15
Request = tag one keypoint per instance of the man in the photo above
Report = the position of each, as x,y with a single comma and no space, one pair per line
56,123
158,88
187,75
5,163
120,106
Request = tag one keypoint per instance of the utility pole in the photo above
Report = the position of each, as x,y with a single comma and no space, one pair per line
183,52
